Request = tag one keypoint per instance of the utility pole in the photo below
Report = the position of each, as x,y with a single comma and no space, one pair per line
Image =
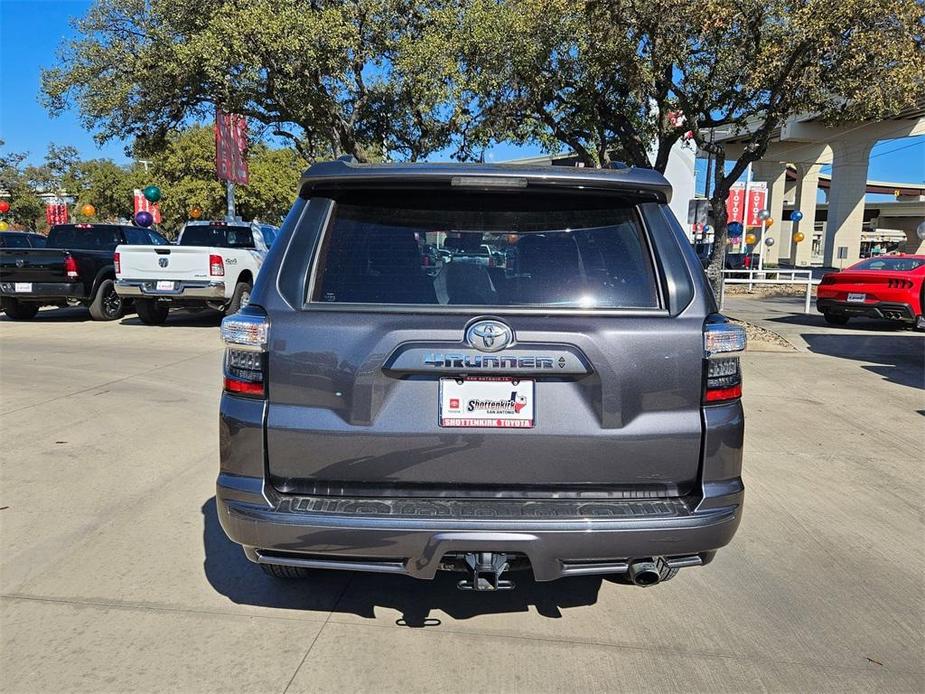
229,201
706,191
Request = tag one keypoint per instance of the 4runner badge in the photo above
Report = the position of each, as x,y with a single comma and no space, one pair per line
489,335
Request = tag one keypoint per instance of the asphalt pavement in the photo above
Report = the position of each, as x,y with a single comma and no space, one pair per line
115,575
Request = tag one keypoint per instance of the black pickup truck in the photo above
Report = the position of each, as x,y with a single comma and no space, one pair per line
77,267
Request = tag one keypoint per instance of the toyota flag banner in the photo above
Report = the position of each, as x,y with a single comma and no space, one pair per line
56,213
231,147
745,202
142,204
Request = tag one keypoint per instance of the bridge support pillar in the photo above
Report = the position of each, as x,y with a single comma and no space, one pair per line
807,186
850,159
774,173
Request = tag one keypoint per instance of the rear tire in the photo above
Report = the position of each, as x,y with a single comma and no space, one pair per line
17,310
279,571
835,318
107,305
240,298
151,311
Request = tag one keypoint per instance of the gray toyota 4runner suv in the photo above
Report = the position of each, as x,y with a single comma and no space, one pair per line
481,368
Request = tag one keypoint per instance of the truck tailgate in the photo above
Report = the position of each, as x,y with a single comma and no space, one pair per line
164,262
32,265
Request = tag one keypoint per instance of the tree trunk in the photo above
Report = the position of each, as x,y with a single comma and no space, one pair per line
717,263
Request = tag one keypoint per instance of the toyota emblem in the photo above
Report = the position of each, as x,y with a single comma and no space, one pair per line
489,335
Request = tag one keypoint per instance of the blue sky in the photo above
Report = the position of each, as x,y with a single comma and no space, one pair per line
31,32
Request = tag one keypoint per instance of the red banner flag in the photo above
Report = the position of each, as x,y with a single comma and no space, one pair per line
757,199
56,213
231,147
745,209
735,203
142,203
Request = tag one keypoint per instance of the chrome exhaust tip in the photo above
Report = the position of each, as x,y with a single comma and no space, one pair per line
646,572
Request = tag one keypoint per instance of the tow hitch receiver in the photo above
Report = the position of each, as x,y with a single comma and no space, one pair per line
486,568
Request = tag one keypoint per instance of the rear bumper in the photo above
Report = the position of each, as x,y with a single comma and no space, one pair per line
42,291
207,290
364,535
412,535
881,309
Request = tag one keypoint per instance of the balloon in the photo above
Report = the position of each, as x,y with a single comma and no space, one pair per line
750,239
735,228
798,236
195,212
768,223
4,226
769,242
4,206
764,214
707,229
796,216
88,210
143,218
152,193
920,231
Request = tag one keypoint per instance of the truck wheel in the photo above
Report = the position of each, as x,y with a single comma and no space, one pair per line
151,311
278,571
835,318
107,305
240,299
17,310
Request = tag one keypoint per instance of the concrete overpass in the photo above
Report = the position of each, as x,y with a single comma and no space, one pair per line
805,144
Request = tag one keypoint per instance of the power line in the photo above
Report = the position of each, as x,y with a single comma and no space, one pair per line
898,149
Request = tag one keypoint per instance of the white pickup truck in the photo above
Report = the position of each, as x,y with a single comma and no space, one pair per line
213,264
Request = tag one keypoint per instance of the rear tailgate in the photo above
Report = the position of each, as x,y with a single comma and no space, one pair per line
164,262
341,419
355,377
32,265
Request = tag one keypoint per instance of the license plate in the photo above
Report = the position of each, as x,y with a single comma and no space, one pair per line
165,286
492,402
22,286
857,298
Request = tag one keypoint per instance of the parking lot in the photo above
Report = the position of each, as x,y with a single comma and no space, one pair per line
116,575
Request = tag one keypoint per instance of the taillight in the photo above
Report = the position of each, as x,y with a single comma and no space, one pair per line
216,266
722,373
116,261
899,284
70,267
245,335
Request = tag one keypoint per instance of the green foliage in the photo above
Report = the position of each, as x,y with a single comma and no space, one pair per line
609,79
19,184
185,172
327,74
614,79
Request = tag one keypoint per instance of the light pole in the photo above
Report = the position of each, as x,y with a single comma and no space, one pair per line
763,216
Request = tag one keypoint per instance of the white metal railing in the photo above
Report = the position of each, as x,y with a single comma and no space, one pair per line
769,276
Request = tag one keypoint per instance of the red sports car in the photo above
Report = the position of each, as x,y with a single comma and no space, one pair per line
888,286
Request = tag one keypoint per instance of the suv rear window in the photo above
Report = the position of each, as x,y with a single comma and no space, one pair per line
487,250
220,235
88,238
